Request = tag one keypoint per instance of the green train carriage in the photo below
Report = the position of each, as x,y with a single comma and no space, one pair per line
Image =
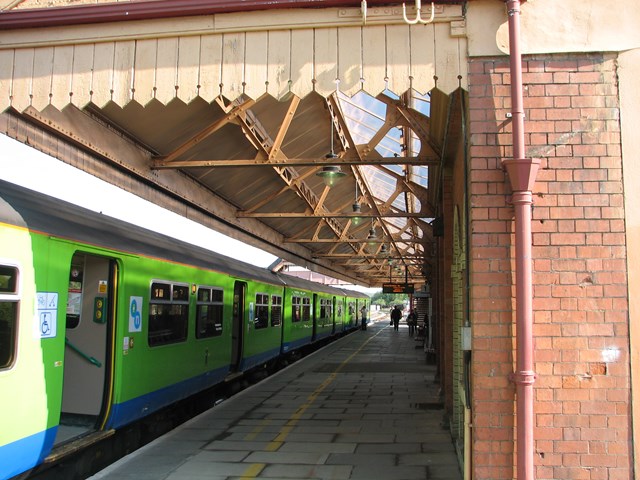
353,306
298,330
102,323
262,333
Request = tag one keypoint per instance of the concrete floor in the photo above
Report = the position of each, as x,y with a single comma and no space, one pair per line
365,407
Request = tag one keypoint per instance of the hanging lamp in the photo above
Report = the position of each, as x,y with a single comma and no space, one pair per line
373,236
356,207
331,173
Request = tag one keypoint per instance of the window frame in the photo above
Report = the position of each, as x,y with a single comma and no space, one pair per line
306,309
296,308
179,307
214,312
276,310
326,308
261,309
12,297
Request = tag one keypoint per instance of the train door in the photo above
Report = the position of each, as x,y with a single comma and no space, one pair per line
283,322
237,333
334,313
88,334
361,312
314,317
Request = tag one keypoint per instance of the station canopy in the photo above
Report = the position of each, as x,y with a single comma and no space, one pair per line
346,178
328,153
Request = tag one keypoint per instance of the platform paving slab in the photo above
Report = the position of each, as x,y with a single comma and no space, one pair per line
365,407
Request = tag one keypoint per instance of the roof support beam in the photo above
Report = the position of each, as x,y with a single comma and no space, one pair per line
370,255
360,151
163,163
237,110
364,240
320,214
266,145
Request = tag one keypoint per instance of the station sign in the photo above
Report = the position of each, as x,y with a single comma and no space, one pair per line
397,288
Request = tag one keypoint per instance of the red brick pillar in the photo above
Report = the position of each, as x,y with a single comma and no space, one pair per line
581,412
446,323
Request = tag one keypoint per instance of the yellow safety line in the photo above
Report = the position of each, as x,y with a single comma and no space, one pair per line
252,436
252,471
276,443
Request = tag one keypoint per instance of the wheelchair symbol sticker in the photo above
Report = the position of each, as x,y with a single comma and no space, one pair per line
47,323
135,314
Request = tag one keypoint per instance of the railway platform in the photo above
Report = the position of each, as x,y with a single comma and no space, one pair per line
364,407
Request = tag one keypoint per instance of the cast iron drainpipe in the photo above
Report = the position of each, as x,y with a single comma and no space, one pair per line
522,175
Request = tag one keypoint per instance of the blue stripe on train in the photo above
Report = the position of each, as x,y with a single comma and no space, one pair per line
255,360
26,453
289,346
136,408
323,334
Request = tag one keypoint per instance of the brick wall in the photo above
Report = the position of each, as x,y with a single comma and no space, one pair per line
447,293
582,390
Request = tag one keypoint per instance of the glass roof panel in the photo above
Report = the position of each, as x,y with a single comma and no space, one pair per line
365,116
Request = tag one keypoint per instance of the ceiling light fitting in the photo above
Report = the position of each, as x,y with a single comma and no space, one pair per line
373,236
331,173
357,208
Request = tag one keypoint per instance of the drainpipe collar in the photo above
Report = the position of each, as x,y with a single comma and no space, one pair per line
522,172
523,377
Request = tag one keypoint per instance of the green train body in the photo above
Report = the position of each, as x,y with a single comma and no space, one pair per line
103,323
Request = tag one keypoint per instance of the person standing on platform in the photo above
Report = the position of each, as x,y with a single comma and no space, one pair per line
412,321
396,315
363,314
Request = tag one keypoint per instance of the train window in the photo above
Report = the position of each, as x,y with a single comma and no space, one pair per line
204,295
160,291
276,310
8,314
216,295
306,309
180,293
209,312
8,279
262,311
295,309
325,308
352,308
339,310
168,313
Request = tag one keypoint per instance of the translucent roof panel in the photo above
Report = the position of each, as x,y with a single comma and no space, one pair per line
365,116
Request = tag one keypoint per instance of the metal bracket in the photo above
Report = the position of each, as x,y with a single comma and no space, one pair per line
418,18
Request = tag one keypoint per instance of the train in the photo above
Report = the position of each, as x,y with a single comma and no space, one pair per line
103,323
